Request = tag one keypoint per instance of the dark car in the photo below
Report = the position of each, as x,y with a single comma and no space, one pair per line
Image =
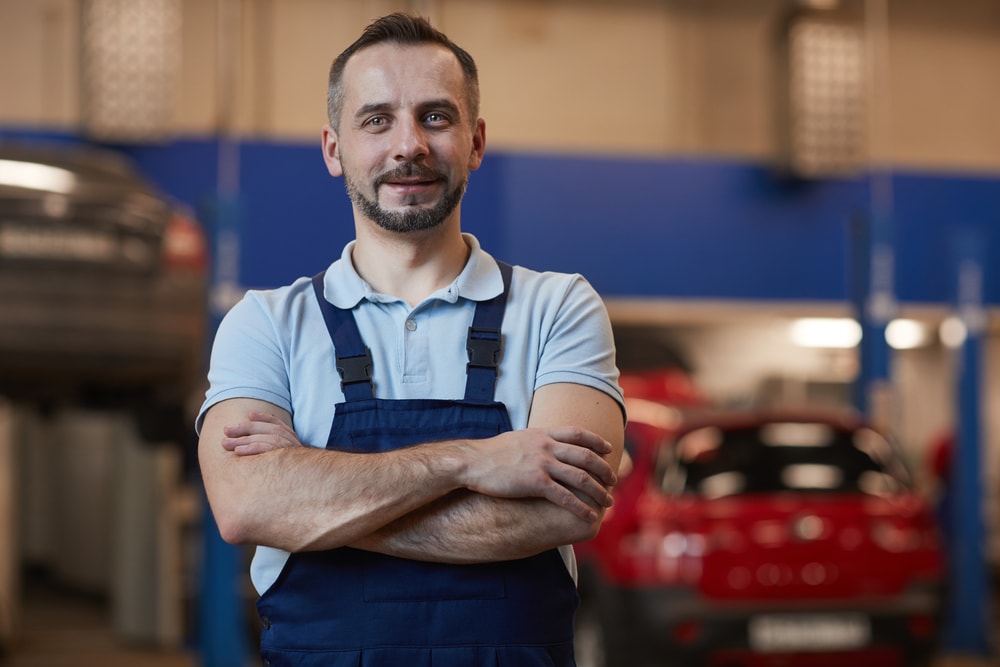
102,282
761,539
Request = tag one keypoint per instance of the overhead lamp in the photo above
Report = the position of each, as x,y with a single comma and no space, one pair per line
905,334
35,176
823,69
953,332
130,67
828,332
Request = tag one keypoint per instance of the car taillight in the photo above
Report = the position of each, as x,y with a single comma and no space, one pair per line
675,556
649,556
896,538
184,244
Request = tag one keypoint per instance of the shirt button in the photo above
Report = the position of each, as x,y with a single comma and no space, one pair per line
411,325
265,622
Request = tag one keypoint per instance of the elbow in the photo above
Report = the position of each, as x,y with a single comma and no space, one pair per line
231,511
233,528
243,528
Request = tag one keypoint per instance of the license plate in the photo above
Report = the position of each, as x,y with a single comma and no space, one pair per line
813,632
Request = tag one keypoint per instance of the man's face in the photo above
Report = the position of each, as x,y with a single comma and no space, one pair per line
405,144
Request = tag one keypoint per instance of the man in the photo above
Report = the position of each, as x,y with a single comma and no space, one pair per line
418,507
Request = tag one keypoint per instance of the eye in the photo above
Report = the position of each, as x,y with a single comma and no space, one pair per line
436,118
376,123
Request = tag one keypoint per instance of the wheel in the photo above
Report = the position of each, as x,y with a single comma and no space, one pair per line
589,639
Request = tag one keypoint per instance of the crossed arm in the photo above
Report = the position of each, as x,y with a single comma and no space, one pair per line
498,498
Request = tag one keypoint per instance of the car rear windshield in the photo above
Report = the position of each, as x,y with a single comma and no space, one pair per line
716,461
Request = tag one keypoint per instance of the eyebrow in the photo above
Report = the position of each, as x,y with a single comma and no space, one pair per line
444,104
373,107
383,107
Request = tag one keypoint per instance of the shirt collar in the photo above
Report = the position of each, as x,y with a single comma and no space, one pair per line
479,280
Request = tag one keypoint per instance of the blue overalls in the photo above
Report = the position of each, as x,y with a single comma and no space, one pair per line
347,607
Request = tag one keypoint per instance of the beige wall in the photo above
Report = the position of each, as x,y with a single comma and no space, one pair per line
656,77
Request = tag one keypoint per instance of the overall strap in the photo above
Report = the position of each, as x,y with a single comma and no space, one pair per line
354,360
484,343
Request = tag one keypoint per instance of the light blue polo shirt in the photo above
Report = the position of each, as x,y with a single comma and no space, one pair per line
274,346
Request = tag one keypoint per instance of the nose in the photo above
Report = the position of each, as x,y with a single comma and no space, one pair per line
411,141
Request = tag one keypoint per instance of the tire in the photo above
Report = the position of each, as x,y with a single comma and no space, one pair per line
589,638
601,638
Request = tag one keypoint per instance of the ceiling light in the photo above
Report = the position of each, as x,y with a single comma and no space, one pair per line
953,332
903,334
832,332
36,176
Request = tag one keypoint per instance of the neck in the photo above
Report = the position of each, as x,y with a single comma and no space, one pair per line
409,266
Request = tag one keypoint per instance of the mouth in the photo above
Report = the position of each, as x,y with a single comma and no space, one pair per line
409,188
409,174
409,180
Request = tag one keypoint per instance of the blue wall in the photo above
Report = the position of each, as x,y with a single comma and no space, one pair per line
672,227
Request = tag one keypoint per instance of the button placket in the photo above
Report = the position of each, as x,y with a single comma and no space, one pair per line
414,349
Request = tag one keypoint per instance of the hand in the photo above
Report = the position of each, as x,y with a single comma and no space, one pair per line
261,433
563,465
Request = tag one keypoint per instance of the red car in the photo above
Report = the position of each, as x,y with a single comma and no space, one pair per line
760,539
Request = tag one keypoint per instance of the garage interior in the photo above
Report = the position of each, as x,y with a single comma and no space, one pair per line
721,175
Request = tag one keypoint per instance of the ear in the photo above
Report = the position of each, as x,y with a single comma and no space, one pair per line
478,145
331,152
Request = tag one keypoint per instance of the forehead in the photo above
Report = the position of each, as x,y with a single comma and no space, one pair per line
401,75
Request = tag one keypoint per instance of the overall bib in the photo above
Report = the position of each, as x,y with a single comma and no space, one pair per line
352,608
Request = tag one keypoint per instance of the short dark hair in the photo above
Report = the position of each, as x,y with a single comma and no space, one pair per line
404,29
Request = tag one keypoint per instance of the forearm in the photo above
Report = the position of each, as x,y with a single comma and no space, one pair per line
303,498
466,527
266,488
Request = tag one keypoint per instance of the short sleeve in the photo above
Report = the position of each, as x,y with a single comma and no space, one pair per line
579,344
248,358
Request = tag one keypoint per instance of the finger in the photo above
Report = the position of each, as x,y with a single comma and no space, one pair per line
253,448
581,437
249,446
566,499
581,481
254,427
232,444
244,429
588,461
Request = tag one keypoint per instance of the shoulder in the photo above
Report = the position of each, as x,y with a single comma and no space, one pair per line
553,293
279,305
550,282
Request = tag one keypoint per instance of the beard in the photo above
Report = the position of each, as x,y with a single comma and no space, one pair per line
413,218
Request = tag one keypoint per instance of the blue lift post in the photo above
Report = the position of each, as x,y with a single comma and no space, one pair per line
223,637
873,294
222,624
968,618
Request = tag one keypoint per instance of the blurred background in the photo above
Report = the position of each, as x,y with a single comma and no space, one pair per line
791,203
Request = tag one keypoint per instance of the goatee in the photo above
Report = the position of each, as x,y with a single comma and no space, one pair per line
412,218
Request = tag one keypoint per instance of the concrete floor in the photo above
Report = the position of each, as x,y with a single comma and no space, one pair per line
62,629
70,630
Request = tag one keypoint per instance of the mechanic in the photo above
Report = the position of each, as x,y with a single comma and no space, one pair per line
412,477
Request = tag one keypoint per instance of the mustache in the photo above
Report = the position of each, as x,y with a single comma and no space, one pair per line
408,170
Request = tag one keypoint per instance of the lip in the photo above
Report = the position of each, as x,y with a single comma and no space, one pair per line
405,186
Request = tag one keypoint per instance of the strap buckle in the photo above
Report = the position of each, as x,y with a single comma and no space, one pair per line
355,369
483,345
